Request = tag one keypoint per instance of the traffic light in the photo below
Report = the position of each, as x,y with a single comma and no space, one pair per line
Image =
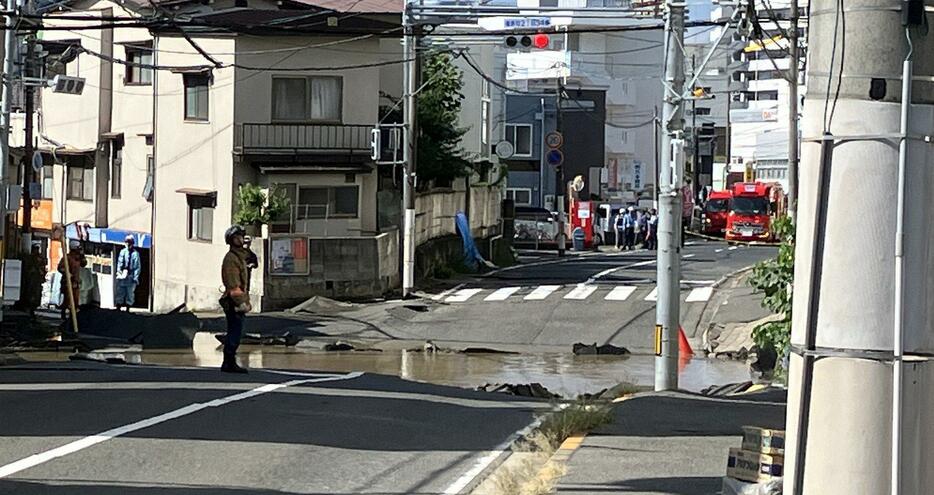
67,84
540,41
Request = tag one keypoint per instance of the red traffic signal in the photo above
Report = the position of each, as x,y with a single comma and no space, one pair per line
540,41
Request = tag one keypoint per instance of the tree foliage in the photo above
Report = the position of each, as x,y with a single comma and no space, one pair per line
774,278
440,157
256,206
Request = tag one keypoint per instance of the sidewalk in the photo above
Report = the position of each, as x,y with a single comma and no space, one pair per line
668,443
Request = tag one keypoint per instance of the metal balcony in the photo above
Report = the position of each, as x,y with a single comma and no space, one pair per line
314,139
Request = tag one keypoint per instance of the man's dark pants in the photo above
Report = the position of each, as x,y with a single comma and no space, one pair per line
234,332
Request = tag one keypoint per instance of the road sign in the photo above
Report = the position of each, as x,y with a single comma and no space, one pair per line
554,139
554,158
37,161
505,149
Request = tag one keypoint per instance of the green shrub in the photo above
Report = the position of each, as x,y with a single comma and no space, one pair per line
775,278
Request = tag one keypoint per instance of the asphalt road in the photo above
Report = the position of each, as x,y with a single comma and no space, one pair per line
594,297
87,428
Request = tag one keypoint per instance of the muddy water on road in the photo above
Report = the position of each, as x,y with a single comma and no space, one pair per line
562,373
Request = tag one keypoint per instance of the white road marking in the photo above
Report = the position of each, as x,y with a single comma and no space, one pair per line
608,271
581,292
700,294
733,248
463,295
699,282
620,293
653,296
541,292
690,243
90,441
486,459
718,250
689,255
442,295
502,294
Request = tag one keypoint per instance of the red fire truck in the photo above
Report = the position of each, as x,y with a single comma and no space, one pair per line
753,207
716,211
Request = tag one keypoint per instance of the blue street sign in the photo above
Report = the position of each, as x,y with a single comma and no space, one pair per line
554,158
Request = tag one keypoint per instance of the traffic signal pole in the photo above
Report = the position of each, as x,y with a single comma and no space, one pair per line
668,310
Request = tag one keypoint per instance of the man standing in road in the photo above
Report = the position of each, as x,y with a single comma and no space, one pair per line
128,270
629,224
619,222
236,298
652,235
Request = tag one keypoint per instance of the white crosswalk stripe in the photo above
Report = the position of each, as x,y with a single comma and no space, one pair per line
581,292
700,294
653,296
620,293
463,295
541,292
502,294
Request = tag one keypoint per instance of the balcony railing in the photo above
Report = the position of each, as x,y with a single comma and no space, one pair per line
302,138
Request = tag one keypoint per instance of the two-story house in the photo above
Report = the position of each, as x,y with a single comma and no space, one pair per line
176,117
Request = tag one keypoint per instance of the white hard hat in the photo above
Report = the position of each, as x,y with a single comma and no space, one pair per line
631,209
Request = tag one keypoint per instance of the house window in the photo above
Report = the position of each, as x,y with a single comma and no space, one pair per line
196,96
307,99
80,181
520,136
625,137
702,111
136,75
201,217
48,181
116,169
327,202
522,196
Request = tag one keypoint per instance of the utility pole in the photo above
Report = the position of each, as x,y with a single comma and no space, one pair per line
667,310
29,93
9,45
695,164
860,419
410,148
793,145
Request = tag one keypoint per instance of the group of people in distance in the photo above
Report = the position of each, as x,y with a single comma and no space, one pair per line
635,226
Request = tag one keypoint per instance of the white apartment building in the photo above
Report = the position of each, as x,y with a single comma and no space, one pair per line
759,105
158,151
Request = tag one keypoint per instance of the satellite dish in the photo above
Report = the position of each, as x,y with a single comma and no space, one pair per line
505,149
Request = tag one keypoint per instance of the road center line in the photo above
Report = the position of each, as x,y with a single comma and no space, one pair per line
90,441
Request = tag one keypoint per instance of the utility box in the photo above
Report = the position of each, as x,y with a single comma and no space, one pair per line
12,280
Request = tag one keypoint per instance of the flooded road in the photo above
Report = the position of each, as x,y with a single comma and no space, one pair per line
562,373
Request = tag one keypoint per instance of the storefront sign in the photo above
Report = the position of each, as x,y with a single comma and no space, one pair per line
41,215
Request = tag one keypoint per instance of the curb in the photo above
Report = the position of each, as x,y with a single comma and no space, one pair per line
739,243
567,447
712,312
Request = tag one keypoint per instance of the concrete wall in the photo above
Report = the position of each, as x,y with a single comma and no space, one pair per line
348,267
188,271
436,210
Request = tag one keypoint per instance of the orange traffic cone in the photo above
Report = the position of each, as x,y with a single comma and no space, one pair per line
684,347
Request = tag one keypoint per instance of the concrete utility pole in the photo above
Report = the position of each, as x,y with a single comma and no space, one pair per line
9,51
410,148
667,310
792,77
864,285
562,192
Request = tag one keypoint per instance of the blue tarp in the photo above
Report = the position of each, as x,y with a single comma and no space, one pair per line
472,257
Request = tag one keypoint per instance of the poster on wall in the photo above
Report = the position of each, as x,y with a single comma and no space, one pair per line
288,256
